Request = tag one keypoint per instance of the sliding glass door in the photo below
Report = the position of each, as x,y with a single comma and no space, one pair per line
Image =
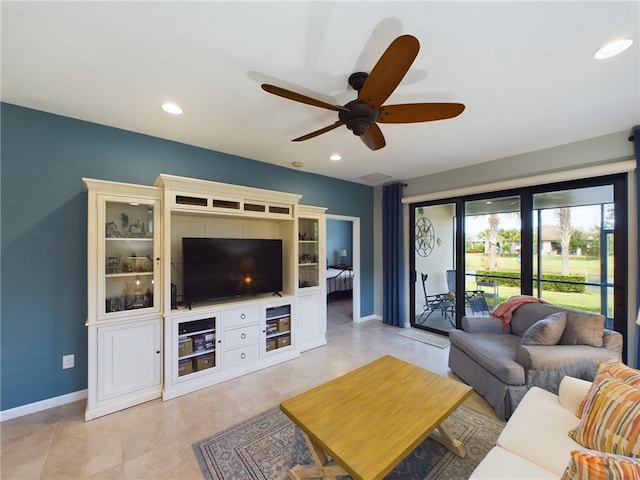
434,260
557,242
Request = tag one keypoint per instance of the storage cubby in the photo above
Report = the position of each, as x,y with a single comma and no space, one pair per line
277,327
196,346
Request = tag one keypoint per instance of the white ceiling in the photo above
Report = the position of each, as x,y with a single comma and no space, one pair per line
524,70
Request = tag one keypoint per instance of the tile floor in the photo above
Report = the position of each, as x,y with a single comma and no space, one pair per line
153,440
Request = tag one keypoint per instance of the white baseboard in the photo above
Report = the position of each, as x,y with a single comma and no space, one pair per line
367,318
42,405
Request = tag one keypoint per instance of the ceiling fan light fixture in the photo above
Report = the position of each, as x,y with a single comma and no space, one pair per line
335,157
172,108
613,48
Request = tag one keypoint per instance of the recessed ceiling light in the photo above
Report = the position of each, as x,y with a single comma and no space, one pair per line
613,48
335,157
172,108
297,164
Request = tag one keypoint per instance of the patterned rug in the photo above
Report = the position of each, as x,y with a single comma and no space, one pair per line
439,341
264,447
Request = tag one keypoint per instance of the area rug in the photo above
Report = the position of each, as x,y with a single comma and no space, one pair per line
266,446
425,337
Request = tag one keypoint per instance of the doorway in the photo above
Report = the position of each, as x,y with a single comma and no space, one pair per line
435,260
343,268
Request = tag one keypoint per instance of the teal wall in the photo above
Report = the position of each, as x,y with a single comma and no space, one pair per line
339,236
43,289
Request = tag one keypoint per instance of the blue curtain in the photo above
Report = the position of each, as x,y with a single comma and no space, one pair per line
392,256
636,145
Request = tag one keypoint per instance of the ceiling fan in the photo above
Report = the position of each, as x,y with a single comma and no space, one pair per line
362,115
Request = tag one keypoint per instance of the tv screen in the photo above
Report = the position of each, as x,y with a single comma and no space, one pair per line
215,268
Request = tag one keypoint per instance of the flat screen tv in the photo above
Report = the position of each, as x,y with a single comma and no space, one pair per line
217,268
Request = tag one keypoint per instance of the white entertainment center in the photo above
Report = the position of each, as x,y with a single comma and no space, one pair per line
142,343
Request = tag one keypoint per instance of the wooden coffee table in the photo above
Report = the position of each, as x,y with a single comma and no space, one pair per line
371,418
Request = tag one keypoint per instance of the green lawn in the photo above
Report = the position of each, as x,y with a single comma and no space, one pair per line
590,267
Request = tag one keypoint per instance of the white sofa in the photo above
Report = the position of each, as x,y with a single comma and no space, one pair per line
534,443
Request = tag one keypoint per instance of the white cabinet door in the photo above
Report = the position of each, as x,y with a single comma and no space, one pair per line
312,321
129,358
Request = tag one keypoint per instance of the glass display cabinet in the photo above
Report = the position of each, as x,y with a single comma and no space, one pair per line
130,257
308,253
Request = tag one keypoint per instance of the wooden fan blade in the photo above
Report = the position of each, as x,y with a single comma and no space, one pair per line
389,71
419,112
318,132
298,97
373,138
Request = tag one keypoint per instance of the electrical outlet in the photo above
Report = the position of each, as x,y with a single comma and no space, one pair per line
68,361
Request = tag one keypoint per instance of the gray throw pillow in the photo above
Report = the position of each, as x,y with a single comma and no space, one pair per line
583,328
546,331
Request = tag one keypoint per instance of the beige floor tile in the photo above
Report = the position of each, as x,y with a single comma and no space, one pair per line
153,440
114,473
150,433
174,460
23,456
82,457
28,423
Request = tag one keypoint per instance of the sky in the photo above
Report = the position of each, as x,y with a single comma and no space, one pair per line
585,218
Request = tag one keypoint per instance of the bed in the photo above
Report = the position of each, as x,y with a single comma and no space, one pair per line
339,280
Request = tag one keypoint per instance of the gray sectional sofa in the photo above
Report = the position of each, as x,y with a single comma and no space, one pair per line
542,344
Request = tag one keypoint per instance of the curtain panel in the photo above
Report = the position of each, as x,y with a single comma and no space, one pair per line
636,148
392,256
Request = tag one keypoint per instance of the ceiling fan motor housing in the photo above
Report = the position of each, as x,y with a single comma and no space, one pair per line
359,117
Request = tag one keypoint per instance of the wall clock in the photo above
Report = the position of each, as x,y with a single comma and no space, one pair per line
425,237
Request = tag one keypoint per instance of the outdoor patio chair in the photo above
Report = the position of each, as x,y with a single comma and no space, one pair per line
476,301
439,302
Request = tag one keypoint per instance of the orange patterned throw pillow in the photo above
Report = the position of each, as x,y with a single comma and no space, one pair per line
611,419
590,465
611,368
619,370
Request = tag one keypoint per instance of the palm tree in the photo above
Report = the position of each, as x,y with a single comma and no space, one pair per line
564,222
494,226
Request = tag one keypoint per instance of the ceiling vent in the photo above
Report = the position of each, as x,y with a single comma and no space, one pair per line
375,178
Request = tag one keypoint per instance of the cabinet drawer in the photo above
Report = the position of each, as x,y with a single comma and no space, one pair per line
241,316
241,356
241,336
